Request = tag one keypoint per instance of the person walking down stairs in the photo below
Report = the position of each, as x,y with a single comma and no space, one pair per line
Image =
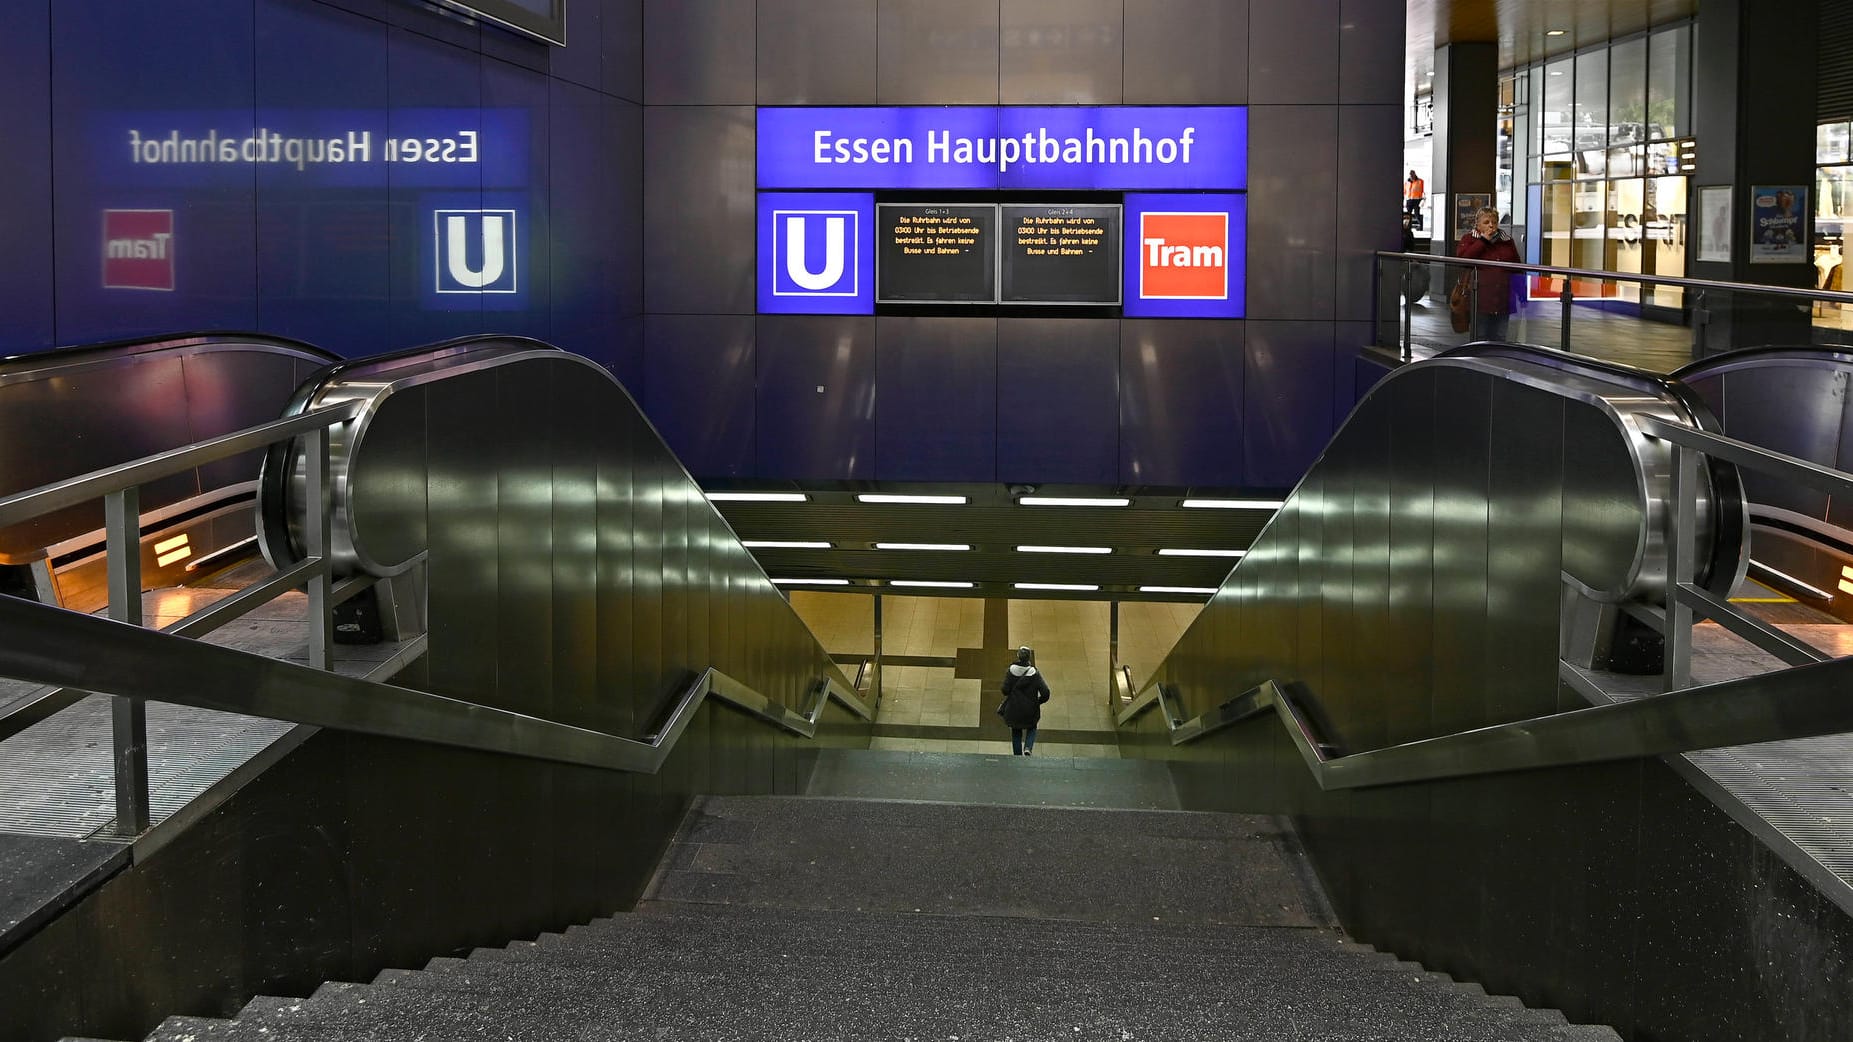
1025,691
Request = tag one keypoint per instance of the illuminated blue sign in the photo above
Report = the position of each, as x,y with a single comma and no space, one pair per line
1185,255
1009,147
817,253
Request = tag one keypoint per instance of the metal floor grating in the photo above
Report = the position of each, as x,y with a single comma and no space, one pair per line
57,778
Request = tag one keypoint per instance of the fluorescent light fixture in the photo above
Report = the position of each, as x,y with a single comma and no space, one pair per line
1074,501
1823,594
1177,552
1079,587
923,546
1234,504
885,497
1555,32
1845,586
163,560
1205,590
1064,549
812,582
758,497
1846,571
939,583
784,544
174,543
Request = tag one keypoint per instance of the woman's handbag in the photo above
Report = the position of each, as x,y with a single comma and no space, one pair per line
1460,304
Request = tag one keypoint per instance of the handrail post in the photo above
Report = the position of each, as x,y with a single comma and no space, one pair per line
1701,318
1680,550
1564,296
1113,653
128,716
318,520
1408,340
1473,303
1376,292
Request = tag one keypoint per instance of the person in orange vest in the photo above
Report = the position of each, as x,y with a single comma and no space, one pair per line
1413,190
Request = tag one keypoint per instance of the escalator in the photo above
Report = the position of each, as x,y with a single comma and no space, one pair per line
607,670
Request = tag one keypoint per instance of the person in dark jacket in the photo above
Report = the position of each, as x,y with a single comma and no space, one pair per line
1488,241
1024,693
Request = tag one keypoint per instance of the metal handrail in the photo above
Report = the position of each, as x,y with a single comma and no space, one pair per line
55,646
120,489
1804,702
1839,296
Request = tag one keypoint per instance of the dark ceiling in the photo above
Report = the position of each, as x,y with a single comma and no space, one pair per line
1520,26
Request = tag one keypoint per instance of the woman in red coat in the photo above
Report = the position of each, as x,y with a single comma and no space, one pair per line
1488,241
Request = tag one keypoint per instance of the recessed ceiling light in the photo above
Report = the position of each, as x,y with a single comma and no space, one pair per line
1080,587
923,546
1176,552
758,497
1064,549
1555,32
943,583
1178,589
1074,501
1235,504
812,582
783,544
885,497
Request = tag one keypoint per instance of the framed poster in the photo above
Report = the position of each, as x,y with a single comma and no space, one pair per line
1466,205
1715,223
1779,224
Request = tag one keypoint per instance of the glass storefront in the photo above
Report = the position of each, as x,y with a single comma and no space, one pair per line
1599,142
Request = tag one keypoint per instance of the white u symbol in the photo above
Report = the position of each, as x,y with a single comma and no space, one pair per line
833,254
457,257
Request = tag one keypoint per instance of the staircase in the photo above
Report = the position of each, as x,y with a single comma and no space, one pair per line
821,918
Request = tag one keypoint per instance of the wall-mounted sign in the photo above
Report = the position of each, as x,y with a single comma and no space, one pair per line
816,253
474,251
1467,207
1186,255
1004,147
1715,223
1779,224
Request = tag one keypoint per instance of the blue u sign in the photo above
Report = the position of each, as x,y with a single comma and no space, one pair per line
816,253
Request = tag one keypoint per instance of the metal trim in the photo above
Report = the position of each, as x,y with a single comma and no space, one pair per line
1803,702
1621,276
53,646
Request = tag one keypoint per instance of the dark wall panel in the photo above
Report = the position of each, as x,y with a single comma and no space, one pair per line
816,397
699,389
520,175
936,416
1181,402
1061,52
1369,156
1293,57
1368,72
698,52
1186,52
937,52
118,69
698,210
1058,388
1292,220
622,25
26,207
1287,417
591,289
816,52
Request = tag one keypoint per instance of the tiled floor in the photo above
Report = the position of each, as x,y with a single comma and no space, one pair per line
1071,640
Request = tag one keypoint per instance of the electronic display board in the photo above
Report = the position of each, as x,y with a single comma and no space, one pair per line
1060,254
936,253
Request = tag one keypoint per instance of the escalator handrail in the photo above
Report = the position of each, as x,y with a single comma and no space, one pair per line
78,354
68,649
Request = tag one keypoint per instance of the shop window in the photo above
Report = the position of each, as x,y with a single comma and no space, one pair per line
1669,83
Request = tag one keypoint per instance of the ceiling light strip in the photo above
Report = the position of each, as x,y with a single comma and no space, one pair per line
1204,590
923,546
1234,504
812,582
784,544
937,583
889,497
1075,587
757,497
1186,552
1064,549
1074,501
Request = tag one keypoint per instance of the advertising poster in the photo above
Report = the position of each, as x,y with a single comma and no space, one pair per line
1779,224
1466,205
1715,223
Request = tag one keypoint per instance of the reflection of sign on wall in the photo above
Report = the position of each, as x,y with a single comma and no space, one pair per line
1779,224
814,253
138,249
1183,256
476,251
